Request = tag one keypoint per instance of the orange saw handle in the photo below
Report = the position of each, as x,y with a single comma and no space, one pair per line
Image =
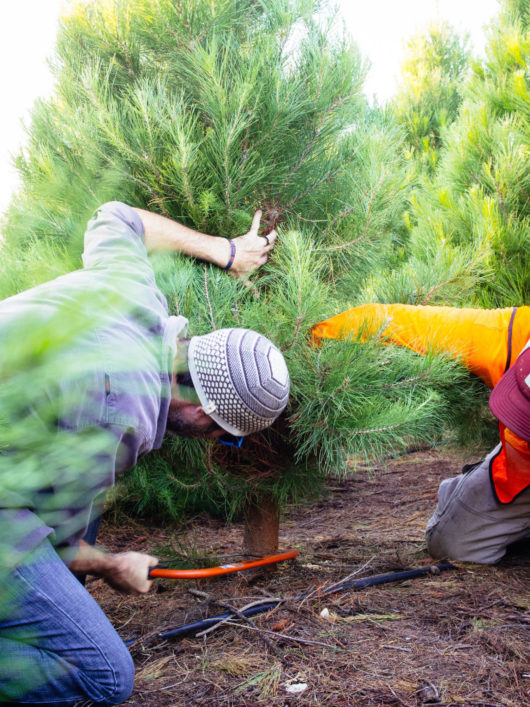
159,571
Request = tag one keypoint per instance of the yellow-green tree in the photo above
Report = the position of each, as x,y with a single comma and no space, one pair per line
433,73
469,240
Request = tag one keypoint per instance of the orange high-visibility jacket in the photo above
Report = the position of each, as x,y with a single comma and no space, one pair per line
487,341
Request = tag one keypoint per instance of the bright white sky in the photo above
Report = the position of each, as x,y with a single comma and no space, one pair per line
380,28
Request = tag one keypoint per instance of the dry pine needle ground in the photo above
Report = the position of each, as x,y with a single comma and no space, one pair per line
459,638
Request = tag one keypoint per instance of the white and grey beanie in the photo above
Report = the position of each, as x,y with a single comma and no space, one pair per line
241,379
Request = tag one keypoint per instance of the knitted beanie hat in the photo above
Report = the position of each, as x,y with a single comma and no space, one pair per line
241,379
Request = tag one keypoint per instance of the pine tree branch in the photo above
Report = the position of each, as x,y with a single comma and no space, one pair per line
187,188
299,320
156,198
124,147
266,135
196,39
374,430
368,218
501,200
434,289
128,62
148,159
208,462
181,483
310,220
406,381
523,190
228,182
312,188
342,246
315,137
207,293
397,384
300,317
244,154
345,383
340,216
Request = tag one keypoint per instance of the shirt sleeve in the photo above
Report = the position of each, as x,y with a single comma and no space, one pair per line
114,241
65,507
479,337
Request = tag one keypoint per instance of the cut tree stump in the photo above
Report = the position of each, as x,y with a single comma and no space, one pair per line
262,527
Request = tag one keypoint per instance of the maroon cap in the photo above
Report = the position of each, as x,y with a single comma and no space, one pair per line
510,399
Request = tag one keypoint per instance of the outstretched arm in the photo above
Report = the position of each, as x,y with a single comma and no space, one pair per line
251,250
479,337
125,571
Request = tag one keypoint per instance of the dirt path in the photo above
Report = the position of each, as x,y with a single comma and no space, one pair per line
459,638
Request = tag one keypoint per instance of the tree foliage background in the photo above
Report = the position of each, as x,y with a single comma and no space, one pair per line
433,76
469,222
205,111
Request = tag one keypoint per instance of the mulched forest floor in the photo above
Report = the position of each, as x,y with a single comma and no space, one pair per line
457,638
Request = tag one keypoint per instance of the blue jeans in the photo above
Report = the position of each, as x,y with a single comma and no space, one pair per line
57,647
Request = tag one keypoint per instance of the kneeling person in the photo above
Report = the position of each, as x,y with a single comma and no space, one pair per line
483,510
137,374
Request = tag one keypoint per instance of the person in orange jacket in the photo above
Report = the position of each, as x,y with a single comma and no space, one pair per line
487,507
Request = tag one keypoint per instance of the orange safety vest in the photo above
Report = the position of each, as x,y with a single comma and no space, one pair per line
487,341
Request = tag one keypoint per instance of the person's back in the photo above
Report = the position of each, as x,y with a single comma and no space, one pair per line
482,511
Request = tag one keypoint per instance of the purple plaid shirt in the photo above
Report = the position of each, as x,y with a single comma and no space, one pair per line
123,392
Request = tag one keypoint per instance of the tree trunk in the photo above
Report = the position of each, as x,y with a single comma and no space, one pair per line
262,526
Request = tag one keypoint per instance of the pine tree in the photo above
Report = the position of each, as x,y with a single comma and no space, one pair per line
204,111
433,74
469,241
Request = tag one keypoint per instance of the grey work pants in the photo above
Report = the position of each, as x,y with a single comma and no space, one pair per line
469,524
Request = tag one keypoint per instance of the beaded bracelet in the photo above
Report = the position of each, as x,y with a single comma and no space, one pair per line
232,254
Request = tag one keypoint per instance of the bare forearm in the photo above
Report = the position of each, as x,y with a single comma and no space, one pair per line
163,234
90,560
250,250
125,571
